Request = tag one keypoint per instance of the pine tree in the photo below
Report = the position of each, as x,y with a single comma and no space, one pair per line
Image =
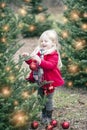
19,105
73,37
35,18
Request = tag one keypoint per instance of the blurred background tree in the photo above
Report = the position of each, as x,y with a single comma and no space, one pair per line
34,16
73,37
19,105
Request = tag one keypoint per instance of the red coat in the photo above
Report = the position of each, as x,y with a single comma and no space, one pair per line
51,70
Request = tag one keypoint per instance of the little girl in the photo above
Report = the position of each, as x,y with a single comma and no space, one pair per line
48,62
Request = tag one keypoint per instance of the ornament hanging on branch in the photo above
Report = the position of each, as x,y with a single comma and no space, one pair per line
34,124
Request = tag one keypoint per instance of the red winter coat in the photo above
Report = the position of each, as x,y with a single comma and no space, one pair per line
51,70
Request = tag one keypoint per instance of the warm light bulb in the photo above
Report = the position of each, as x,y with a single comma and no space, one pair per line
5,28
11,78
84,26
8,68
25,94
16,103
65,20
22,11
3,39
40,8
41,18
6,91
85,15
69,83
27,0
80,44
75,15
32,28
65,34
20,25
73,68
65,7
2,5
19,118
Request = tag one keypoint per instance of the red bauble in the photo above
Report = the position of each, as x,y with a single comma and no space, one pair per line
65,125
33,66
53,123
34,124
49,127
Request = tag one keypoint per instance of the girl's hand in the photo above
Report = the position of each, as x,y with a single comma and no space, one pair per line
25,54
37,58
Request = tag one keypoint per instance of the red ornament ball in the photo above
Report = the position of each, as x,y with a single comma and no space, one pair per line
53,123
34,124
49,127
65,125
33,66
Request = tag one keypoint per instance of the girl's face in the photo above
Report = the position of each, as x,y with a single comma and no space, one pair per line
46,43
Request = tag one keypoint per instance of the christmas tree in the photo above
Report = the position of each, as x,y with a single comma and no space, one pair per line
19,105
73,37
35,18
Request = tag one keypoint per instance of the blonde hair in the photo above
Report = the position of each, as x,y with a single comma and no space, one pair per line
53,36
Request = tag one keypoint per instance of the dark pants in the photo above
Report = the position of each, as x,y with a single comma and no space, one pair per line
49,104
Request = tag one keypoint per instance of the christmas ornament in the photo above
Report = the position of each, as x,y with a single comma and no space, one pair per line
54,123
33,66
65,125
34,124
49,127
